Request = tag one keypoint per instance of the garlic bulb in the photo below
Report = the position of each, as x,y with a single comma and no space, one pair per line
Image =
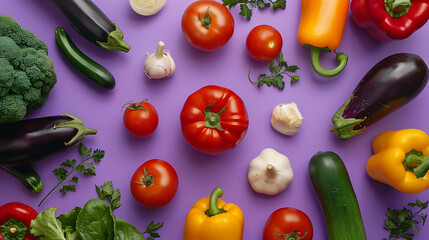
159,64
147,7
270,172
286,118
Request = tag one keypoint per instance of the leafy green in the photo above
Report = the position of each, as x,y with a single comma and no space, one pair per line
68,219
261,4
276,76
125,231
84,166
107,191
47,225
400,221
96,221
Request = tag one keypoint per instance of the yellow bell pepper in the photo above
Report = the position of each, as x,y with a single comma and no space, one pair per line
321,28
213,219
401,160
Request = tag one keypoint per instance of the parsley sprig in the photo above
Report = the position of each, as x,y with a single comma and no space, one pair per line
276,76
151,228
112,195
400,221
86,167
247,12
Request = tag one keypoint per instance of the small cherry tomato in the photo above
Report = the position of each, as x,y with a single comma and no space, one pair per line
154,183
290,223
207,25
140,119
264,43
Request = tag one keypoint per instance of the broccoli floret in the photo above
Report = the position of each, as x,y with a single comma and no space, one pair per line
27,74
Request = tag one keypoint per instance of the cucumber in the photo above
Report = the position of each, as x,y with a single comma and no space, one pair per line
27,176
88,67
332,185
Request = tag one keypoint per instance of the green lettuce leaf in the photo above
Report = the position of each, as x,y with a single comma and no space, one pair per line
46,226
96,221
125,231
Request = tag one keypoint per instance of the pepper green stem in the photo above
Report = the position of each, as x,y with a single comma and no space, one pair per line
212,120
416,162
292,236
115,41
13,229
397,8
213,208
77,124
315,55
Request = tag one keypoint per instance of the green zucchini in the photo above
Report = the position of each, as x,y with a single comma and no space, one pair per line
340,207
27,176
88,67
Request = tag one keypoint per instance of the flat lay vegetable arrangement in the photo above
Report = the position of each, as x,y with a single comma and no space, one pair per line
167,139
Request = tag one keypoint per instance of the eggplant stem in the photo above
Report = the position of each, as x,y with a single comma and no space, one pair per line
77,124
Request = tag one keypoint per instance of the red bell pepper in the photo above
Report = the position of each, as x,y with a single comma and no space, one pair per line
387,20
15,220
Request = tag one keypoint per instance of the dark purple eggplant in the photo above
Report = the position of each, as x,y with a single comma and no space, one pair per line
87,19
389,85
30,140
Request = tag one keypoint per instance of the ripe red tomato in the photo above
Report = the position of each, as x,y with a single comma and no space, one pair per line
214,119
264,43
284,221
207,37
154,183
140,119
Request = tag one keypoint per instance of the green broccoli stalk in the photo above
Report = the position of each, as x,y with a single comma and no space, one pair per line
27,74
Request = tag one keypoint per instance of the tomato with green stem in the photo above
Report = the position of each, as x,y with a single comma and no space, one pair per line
288,223
154,183
140,119
207,25
214,119
264,43
15,220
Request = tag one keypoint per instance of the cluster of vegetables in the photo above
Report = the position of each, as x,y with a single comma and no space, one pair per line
213,119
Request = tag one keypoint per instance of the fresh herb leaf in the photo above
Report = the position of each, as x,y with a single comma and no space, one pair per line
67,188
68,163
84,166
229,3
98,155
107,191
89,170
153,227
261,4
84,151
279,4
400,221
61,174
277,72
245,11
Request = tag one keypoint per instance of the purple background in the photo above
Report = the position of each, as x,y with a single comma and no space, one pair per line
317,99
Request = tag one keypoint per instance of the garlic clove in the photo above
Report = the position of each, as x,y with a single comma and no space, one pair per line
159,64
286,118
147,7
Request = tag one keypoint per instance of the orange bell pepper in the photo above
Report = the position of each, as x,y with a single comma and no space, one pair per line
401,160
321,29
213,219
